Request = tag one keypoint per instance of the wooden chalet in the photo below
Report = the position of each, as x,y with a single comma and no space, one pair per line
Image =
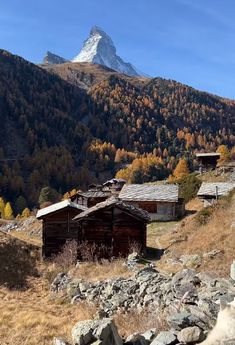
210,192
115,225
161,201
58,225
207,161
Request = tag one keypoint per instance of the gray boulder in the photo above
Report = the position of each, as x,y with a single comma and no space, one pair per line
60,282
136,339
102,332
191,335
165,338
59,341
179,321
73,288
150,334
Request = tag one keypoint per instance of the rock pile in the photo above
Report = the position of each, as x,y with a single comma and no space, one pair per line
30,224
187,290
188,299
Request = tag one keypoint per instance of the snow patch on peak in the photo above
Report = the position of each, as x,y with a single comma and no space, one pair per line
99,48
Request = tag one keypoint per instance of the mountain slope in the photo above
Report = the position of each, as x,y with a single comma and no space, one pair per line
162,113
99,48
84,74
48,125
40,129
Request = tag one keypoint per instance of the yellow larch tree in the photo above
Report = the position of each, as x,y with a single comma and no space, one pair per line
8,213
181,169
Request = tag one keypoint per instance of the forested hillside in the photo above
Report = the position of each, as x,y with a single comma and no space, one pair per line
55,133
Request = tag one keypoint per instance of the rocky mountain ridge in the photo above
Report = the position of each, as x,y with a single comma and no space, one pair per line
53,59
98,48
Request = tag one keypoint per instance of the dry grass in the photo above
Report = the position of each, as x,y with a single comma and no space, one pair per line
194,238
29,314
134,321
32,317
24,236
95,271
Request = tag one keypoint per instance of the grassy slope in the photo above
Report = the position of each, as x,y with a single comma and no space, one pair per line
193,238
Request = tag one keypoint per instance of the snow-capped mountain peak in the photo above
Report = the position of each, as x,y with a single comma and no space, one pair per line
99,48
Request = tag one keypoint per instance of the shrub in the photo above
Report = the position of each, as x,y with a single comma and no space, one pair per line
68,256
189,187
204,215
92,252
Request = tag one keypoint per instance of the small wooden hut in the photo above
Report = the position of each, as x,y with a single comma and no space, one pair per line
115,225
207,160
210,192
161,201
57,225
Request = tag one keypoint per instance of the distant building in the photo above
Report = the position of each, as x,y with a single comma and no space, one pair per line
207,161
210,192
161,201
57,225
115,184
92,197
98,193
115,225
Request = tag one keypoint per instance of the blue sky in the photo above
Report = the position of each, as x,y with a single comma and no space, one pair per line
191,41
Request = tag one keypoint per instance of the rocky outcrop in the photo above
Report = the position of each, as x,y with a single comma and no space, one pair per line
102,332
52,59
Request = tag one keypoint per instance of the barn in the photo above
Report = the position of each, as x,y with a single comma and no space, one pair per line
57,225
162,202
210,192
115,225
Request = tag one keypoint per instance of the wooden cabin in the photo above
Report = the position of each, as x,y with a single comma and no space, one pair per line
91,197
211,192
162,202
58,225
207,161
115,225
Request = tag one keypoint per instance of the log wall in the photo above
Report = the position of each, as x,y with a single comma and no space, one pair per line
57,229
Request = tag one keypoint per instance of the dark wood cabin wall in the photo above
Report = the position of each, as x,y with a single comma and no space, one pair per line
57,229
114,228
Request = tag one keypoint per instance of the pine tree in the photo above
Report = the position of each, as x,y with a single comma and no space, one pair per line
2,206
48,194
181,169
20,204
8,213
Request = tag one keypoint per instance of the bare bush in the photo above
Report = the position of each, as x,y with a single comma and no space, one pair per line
68,256
92,252
135,247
